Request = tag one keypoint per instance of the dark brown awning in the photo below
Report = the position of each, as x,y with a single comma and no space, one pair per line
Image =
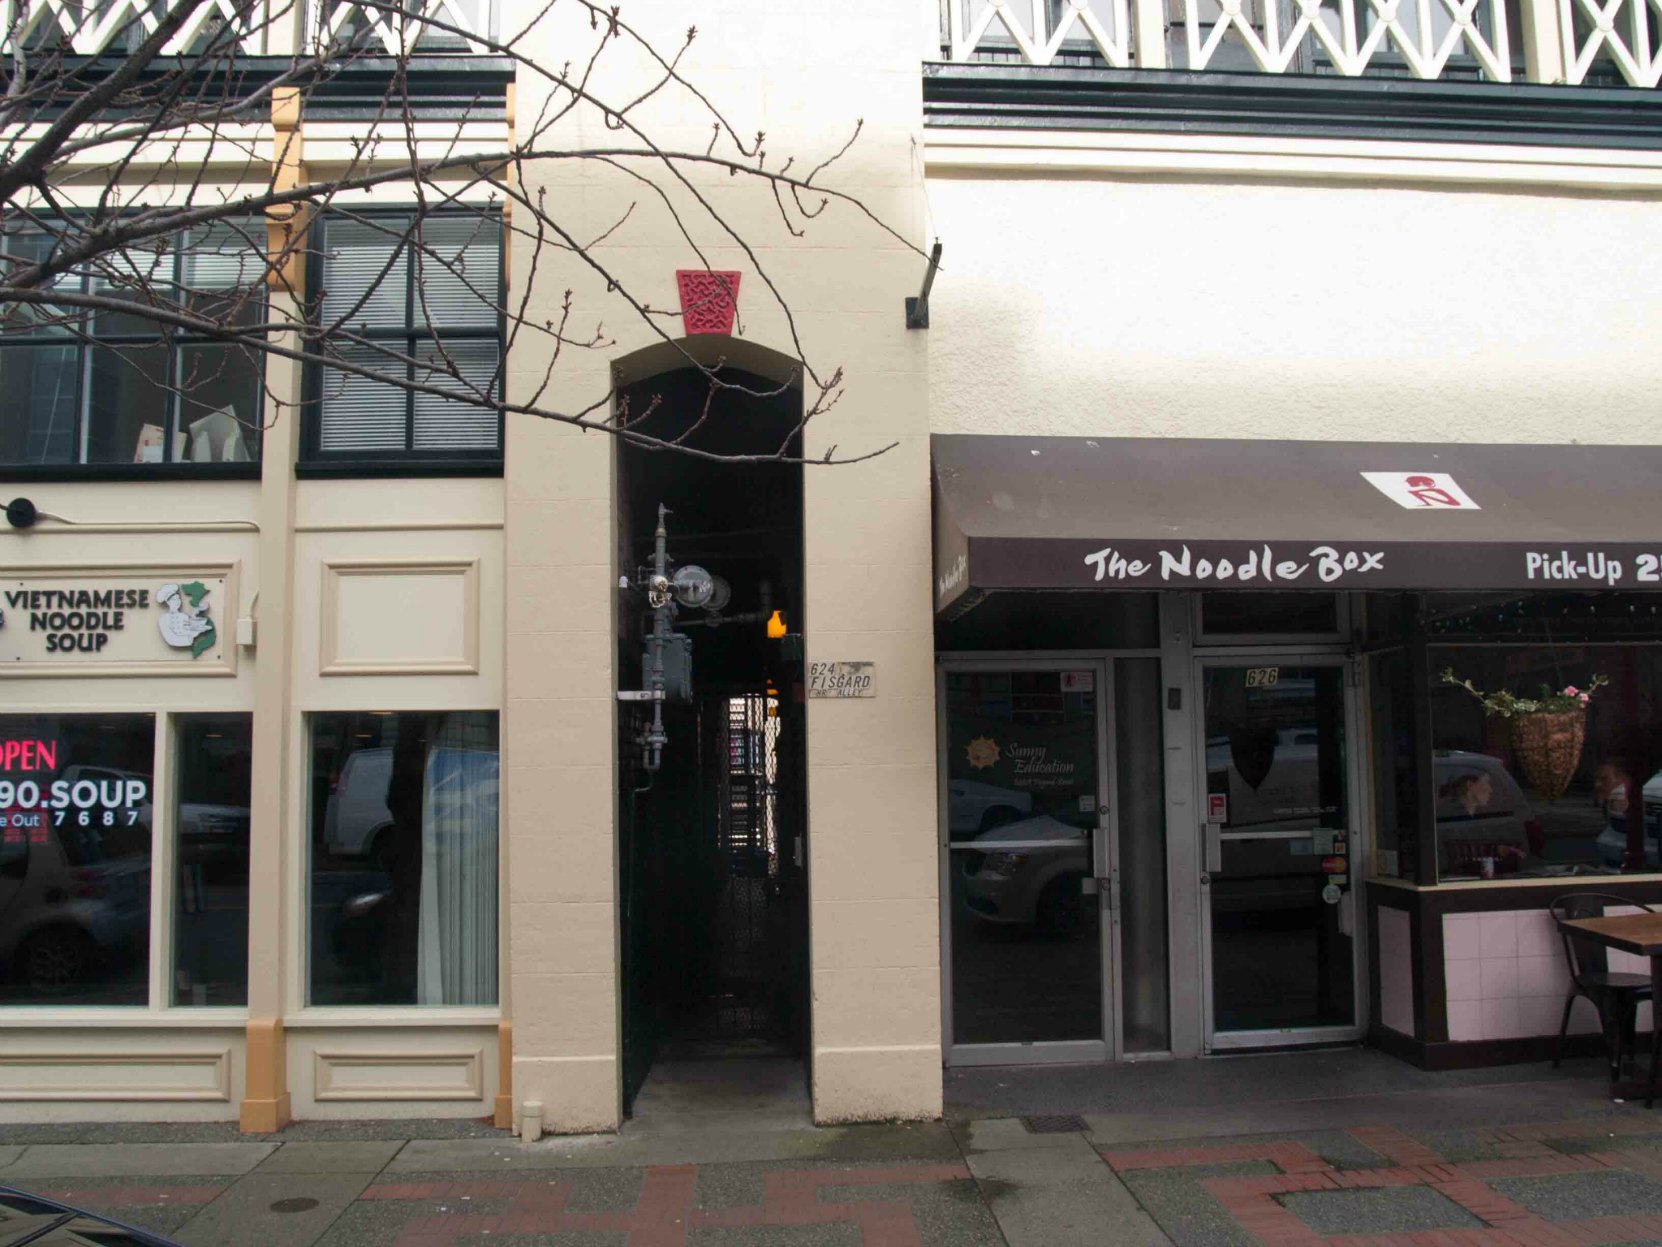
1153,513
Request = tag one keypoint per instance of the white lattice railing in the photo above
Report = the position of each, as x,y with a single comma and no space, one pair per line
1039,29
1350,37
90,27
1621,32
1571,41
412,28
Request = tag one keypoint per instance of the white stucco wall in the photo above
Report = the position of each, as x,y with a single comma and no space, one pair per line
1183,307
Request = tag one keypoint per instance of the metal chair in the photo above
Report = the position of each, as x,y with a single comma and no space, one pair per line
1614,993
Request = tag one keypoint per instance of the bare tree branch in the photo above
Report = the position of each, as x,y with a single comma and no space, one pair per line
144,189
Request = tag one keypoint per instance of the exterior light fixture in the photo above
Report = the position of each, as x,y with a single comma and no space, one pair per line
776,625
692,585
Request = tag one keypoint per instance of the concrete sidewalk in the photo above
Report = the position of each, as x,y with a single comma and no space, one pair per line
1333,1149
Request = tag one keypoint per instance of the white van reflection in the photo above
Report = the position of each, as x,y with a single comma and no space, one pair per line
974,807
357,822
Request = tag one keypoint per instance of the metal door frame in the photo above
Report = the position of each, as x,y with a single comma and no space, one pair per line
1356,830
1105,849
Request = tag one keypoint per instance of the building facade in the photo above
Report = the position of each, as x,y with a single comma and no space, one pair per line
1280,357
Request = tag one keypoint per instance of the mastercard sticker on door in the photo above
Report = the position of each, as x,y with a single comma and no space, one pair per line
1334,865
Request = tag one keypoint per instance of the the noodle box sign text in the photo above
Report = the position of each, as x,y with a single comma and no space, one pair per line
1262,565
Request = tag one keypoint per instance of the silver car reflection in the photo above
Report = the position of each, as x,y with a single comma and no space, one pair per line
1029,872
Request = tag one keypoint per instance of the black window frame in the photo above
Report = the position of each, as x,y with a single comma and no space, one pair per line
314,461
177,341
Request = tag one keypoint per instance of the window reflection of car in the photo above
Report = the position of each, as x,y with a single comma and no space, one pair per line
1482,812
1035,880
1612,841
975,807
206,830
74,899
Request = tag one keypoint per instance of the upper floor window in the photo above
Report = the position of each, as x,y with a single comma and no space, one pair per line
417,301
116,387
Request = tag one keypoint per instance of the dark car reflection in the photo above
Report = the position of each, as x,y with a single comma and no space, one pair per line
366,887
41,1222
74,912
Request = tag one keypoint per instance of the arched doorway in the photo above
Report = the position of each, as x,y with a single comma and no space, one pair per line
712,825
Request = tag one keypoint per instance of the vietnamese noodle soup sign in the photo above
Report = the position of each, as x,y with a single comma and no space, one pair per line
170,621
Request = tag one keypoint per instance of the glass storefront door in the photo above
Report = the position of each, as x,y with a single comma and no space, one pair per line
1028,869
1279,851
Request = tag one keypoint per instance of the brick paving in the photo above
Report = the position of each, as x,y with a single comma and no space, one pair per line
1531,1162
1259,1205
667,1211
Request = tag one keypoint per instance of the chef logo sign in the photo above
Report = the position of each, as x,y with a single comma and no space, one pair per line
117,619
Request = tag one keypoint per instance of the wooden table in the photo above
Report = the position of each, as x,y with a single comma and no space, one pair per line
1640,934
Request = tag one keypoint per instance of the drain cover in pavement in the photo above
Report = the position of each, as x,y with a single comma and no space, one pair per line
298,1204
1054,1123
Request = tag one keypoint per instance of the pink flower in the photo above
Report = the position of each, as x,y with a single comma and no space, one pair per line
1586,697
1571,690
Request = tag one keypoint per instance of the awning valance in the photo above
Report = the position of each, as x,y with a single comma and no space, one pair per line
1155,513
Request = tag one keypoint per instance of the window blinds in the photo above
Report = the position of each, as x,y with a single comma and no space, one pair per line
435,299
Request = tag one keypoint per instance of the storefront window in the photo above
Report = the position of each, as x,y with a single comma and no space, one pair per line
75,807
404,858
212,756
1517,800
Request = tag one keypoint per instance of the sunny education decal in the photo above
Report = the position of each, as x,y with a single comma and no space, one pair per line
983,752
184,621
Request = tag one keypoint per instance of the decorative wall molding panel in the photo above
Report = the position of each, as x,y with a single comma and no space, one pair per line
400,617
398,1075
116,1076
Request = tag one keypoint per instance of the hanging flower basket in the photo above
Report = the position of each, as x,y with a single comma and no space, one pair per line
1549,748
1547,732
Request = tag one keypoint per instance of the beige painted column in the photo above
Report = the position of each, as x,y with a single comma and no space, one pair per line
558,754
265,1106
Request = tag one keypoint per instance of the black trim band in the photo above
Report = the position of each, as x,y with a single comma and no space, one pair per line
441,86
365,469
131,472
1302,105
